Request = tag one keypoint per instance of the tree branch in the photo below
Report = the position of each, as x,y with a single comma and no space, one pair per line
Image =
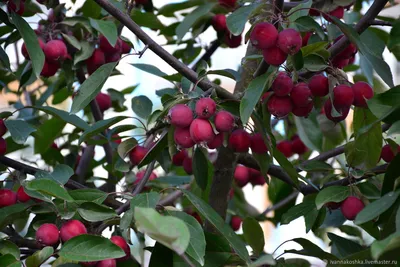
19,240
380,23
209,52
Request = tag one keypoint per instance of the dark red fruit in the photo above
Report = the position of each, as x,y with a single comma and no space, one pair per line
71,229
319,85
3,128
187,165
21,195
282,84
140,175
266,96
182,137
314,12
113,57
232,41
298,146
387,153
116,139
195,215
48,235
201,131
125,47
306,37
280,106
343,96
205,108
289,41
240,141
301,95
338,13
236,222
333,205
54,145
55,50
107,47
95,61
180,115
241,175
328,112
179,157
224,121
256,177
258,145
120,241
3,146
11,6
340,62
285,147
264,35
351,206
216,142
107,263
7,197
24,51
219,23
274,56
303,111
362,92
137,154
49,69
104,101
227,3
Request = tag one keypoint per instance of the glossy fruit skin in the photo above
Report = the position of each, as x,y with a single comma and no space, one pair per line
216,142
180,115
205,108
257,144
125,47
240,141
115,57
362,91
319,85
179,157
48,235
71,229
266,96
3,128
201,131
3,146
182,137
328,112
343,96
387,153
289,41
303,111
301,95
351,206
285,147
305,38
7,197
280,106
120,241
236,222
137,154
55,50
227,3
256,177
107,263
219,23
337,12
49,69
298,146
140,175
274,56
282,84
232,41
188,165
95,61
104,101
340,62
24,51
224,121
107,48
264,35
19,10
21,195
241,175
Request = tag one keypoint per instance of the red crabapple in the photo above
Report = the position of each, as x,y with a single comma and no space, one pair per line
337,12
264,35
362,92
24,51
125,47
387,153
104,101
49,69
280,106
188,165
113,57
282,84
7,197
236,222
274,56
182,137
137,154
285,147
227,3
240,141
205,108
96,60
3,128
120,241
107,47
195,215
289,41
241,175
298,146
328,112
219,23
340,63
224,121
232,41
11,6
107,263
3,146
306,38
201,131
55,50
216,142
140,175
180,115
256,177
343,96
21,195
48,235
258,145
179,157
351,206
301,95
266,96
314,12
71,229
333,205
319,85
303,111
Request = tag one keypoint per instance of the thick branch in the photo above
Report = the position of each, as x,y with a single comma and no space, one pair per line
20,241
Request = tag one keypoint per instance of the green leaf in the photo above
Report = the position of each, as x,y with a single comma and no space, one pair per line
47,133
168,10
142,106
300,10
173,180
93,212
49,187
32,44
266,259
310,249
315,166
84,53
99,127
309,131
92,86
380,247
65,116
394,40
351,230
72,40
286,165
39,257
92,195
169,231
254,235
212,216
156,150
19,130
155,71
146,19
385,106
197,243
107,28
61,174
145,200
376,208
5,61
237,20
313,48
343,246
233,74
90,248
315,63
191,18
7,247
308,24
91,9
126,146
9,260
297,211
391,175
200,168
398,220
331,194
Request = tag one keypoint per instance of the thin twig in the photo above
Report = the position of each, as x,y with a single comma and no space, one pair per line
209,52
381,23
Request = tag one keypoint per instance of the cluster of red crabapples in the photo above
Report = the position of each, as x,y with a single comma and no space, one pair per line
290,147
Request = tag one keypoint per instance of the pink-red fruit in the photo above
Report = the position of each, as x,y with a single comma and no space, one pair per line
285,147
48,235
71,229
3,128
216,142
241,175
256,177
179,157
182,137
125,47
337,12
227,3
343,96
95,61
49,69
387,153
3,146
224,121
303,111
201,131
328,112
104,101
289,41
319,85
120,241
236,222
187,165
205,108
180,115
107,47
24,51
7,197
240,141
280,106
55,50
351,206
362,92
298,146
301,95
107,263
21,195
219,23
282,84
11,6
264,35
140,175
137,154
274,56
232,41
258,145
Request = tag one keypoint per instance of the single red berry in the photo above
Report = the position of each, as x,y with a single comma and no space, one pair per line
182,137
107,263
264,35
7,197
232,41
227,3
3,146
337,12
328,112
280,106
187,165
314,12
241,175
219,23
285,147
115,57
201,131
71,229
301,95
352,60
125,47
236,222
240,141
387,153
224,121
319,85
303,111
95,61
104,101
120,241
137,154
274,56
49,69
362,92
195,215
351,206
216,142
306,38
266,96
258,145
48,235
11,6
179,157
282,84
205,108
55,50
54,145
21,195
140,175
298,146
340,63
343,96
256,177
24,51
88,263
289,41
180,115
107,47
333,205
3,128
